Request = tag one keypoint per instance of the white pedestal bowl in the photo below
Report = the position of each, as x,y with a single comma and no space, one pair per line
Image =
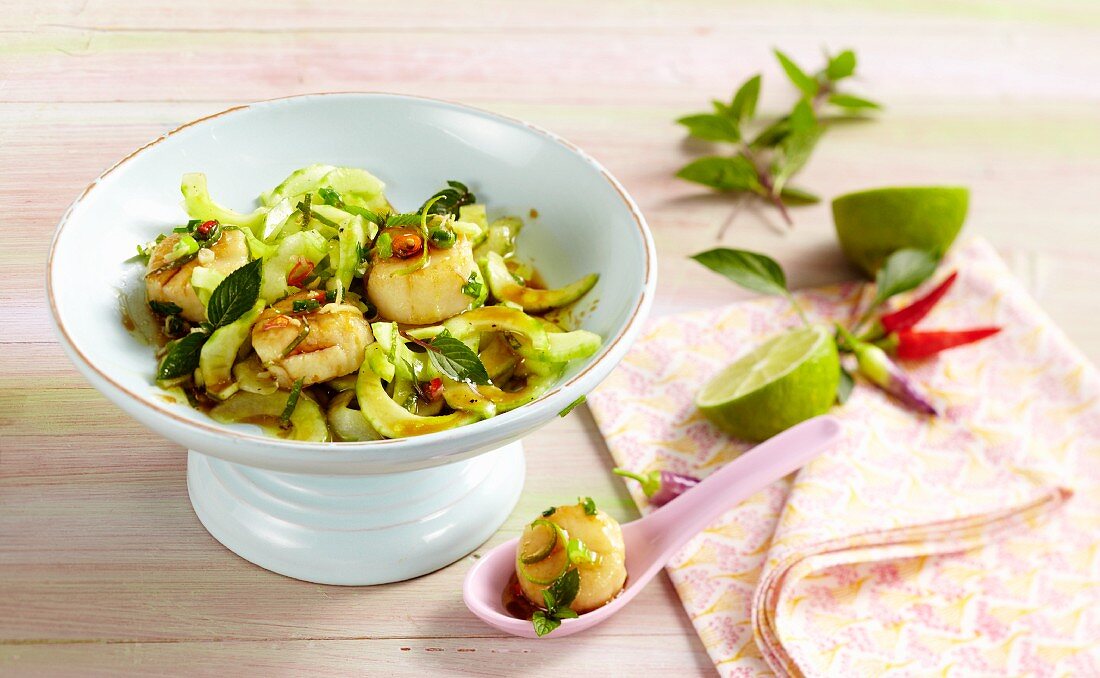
350,513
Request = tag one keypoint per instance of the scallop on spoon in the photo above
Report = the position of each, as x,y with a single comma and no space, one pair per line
652,540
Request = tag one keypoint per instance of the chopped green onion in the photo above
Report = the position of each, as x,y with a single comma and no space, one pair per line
441,237
306,305
291,403
473,286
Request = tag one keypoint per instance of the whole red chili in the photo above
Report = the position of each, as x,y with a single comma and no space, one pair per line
300,271
913,344
904,318
407,245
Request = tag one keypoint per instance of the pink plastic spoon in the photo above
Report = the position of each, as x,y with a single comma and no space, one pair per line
652,540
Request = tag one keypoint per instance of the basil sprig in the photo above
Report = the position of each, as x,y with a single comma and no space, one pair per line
455,359
449,200
231,299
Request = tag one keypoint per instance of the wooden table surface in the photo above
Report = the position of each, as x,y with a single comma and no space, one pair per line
103,565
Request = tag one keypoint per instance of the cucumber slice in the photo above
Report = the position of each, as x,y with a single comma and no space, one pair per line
536,544
220,352
498,319
499,359
349,425
391,419
461,396
537,384
546,570
505,288
307,422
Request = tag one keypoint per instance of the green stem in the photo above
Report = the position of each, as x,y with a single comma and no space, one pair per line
798,310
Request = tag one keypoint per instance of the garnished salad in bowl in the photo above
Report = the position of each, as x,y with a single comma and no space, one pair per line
328,315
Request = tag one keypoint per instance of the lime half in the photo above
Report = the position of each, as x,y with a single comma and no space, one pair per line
785,380
872,225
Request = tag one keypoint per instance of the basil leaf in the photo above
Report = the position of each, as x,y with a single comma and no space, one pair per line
183,356
844,388
797,196
235,295
853,103
543,624
743,106
455,359
841,66
449,200
771,135
564,589
164,308
588,504
711,127
807,85
750,270
724,174
548,600
902,271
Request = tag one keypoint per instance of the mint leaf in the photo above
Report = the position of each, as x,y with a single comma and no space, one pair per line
841,66
569,408
588,504
750,270
455,359
164,308
183,356
711,127
235,295
566,613
449,200
791,195
902,271
724,174
743,106
564,589
549,602
853,103
807,85
543,624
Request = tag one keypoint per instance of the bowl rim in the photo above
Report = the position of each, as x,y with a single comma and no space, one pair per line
626,334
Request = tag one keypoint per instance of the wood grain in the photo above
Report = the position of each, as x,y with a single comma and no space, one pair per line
103,566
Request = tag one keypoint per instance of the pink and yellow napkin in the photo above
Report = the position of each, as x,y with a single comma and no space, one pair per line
916,546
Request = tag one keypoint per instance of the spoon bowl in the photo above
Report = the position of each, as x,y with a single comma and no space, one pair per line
651,541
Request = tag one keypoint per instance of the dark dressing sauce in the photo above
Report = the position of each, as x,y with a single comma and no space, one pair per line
515,603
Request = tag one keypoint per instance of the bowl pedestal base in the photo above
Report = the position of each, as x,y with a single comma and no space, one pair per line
356,530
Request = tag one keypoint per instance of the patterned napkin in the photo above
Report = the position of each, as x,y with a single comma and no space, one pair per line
915,546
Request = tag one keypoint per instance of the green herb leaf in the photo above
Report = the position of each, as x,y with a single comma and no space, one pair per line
564,589
306,305
455,359
588,504
771,135
743,106
403,219
853,103
724,174
549,512
330,196
797,196
383,246
806,84
902,271
565,613
291,403
164,308
844,388
571,406
543,624
750,270
711,127
183,356
549,602
794,150
235,295
841,66
363,212
578,552
449,200
473,287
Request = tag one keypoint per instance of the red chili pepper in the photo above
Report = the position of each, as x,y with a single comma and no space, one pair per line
301,270
904,318
206,227
434,389
912,345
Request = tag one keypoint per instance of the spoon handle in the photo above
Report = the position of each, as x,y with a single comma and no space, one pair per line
672,525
